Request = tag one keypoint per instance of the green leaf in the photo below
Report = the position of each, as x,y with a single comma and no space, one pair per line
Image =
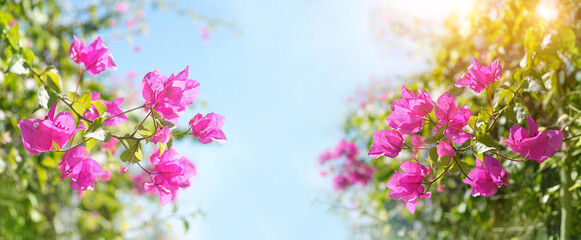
52,80
480,148
186,225
101,107
433,154
170,142
28,55
438,137
167,123
144,132
533,81
485,114
90,144
96,130
83,102
162,148
128,154
486,140
517,111
156,114
42,97
445,160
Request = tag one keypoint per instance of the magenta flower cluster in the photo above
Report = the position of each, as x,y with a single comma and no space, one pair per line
165,100
350,171
410,114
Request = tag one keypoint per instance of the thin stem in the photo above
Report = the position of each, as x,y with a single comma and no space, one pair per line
138,126
445,170
572,137
130,110
420,148
490,97
74,110
186,132
462,170
71,147
78,83
511,159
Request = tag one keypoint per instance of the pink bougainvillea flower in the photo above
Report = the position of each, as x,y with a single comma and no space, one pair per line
417,140
386,143
358,172
205,31
139,181
445,149
111,145
82,170
38,135
169,96
408,111
407,185
208,128
486,179
121,7
96,56
161,135
113,108
340,183
172,173
347,149
534,144
13,22
456,118
479,77
107,176
325,157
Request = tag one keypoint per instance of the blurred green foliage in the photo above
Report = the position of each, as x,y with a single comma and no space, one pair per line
542,61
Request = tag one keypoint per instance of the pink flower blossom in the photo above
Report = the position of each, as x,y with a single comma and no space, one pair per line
107,176
208,128
534,144
486,179
408,111
82,170
445,149
113,108
172,173
359,173
325,157
386,143
456,118
139,181
407,185
96,56
205,31
340,183
111,145
13,22
38,135
169,96
479,77
161,135
121,7
140,14
347,149
417,140
130,23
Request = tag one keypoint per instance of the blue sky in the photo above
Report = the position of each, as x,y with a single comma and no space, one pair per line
282,86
